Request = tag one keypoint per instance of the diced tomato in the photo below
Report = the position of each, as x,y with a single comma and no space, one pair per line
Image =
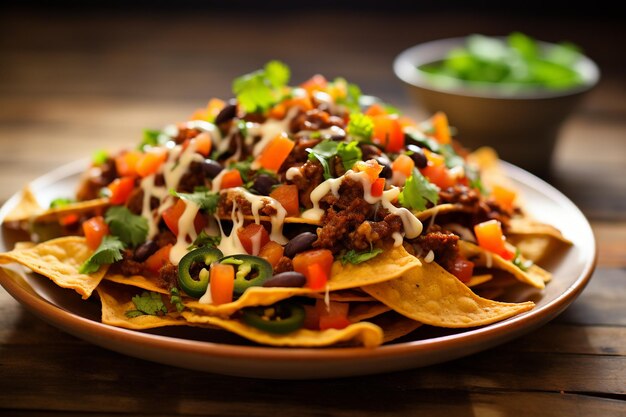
371,167
275,153
375,110
462,269
126,163
279,111
490,237
231,179
209,113
222,283
95,229
503,196
69,219
158,259
316,83
388,132
150,162
438,175
203,144
287,196
120,189
253,237
434,158
272,252
333,316
172,215
316,265
404,165
442,128
378,187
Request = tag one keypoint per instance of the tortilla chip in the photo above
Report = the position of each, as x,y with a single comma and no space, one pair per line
433,296
135,281
352,296
525,225
491,172
394,325
478,279
535,276
366,334
117,300
388,265
364,311
26,207
59,259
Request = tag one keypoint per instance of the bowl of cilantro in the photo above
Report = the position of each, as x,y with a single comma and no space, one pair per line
512,93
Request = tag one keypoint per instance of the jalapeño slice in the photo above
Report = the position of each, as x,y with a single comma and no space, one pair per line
205,256
280,318
251,271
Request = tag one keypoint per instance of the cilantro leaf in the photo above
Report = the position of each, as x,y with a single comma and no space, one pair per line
130,228
205,199
424,141
452,159
520,262
417,190
353,94
60,202
324,152
259,90
473,175
176,299
350,153
150,138
355,257
360,127
204,240
148,303
109,251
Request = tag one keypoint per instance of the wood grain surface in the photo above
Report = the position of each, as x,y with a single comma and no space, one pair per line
71,84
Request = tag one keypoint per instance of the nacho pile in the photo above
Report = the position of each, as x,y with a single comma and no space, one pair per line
297,216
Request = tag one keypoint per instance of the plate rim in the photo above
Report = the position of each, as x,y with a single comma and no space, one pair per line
511,327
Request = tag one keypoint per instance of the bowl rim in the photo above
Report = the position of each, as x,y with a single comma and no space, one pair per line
405,67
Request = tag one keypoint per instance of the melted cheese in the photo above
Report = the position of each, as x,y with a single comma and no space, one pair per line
270,129
186,228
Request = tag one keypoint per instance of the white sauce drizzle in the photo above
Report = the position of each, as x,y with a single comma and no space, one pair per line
292,173
430,256
257,202
216,183
488,259
270,129
207,298
230,244
397,238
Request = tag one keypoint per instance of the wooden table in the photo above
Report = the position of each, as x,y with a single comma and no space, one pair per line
73,84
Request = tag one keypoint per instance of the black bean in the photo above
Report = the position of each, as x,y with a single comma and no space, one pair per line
369,151
211,168
263,184
144,250
304,241
286,279
227,113
417,156
386,164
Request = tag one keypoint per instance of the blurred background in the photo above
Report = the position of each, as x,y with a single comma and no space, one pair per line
76,78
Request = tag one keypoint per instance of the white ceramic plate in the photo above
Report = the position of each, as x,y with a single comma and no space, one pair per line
217,351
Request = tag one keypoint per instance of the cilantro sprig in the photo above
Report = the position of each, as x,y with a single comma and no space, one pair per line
204,240
417,191
130,228
109,251
205,199
355,257
148,303
360,127
325,152
259,90
520,262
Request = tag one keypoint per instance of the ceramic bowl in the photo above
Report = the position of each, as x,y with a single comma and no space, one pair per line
521,125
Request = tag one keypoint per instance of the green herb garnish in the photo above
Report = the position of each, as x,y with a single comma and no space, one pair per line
417,191
176,299
148,303
360,127
205,199
520,262
99,157
261,89
204,240
355,257
61,202
325,151
109,251
130,228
